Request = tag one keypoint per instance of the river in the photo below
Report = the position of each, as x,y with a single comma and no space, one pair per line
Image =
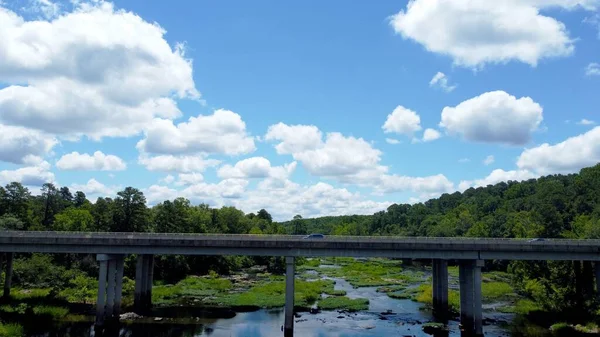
406,320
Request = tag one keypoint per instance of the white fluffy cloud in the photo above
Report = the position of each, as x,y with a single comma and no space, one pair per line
294,138
403,121
498,176
339,155
256,167
19,145
441,80
494,117
29,175
94,189
430,135
351,160
185,179
474,32
96,162
593,69
96,71
392,141
435,185
569,156
489,160
223,132
183,164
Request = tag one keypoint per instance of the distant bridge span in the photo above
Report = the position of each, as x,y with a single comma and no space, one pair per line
111,248
295,246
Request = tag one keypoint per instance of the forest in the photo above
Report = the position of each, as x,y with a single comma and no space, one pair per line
556,206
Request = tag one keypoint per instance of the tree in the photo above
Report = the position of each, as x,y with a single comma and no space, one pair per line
130,211
10,222
66,196
263,214
80,199
15,200
102,212
173,217
50,195
74,220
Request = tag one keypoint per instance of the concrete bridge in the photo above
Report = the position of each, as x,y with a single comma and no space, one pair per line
470,253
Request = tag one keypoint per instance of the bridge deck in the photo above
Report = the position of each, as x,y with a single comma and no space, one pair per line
290,245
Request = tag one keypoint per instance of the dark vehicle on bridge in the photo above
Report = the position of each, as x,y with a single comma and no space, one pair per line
315,236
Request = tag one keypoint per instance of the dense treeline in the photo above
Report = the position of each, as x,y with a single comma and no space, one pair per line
557,206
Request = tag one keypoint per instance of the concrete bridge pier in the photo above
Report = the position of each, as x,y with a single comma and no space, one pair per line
471,315
144,274
7,274
440,290
110,282
290,270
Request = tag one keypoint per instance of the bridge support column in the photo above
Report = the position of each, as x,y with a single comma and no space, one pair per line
471,315
440,290
597,272
110,280
8,274
144,275
290,270
477,309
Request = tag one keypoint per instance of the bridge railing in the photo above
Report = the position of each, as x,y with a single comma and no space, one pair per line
268,237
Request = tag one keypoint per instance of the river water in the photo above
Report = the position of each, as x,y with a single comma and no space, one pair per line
406,320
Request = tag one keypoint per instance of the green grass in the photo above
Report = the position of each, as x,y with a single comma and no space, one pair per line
272,294
343,303
11,330
52,311
494,291
522,307
391,289
25,294
332,292
191,286
372,272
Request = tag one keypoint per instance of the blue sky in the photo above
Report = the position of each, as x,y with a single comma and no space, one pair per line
311,108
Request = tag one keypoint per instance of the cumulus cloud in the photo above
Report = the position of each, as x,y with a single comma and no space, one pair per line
441,80
183,164
94,189
498,176
223,132
474,32
168,179
435,185
489,160
185,179
568,156
593,69
339,155
29,175
256,167
294,138
19,145
430,135
392,141
350,160
96,162
494,117
402,121
95,71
